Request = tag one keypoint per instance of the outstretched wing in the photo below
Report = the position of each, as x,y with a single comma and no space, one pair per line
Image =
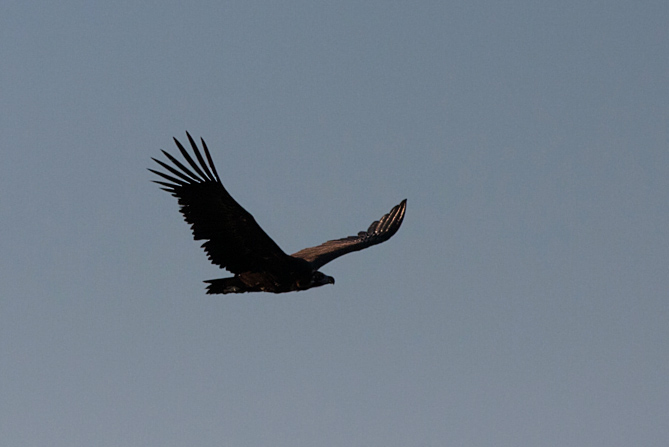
379,231
234,240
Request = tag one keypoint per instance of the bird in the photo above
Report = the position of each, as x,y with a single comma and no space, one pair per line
234,241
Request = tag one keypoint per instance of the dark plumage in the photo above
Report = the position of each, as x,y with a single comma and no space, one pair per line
235,242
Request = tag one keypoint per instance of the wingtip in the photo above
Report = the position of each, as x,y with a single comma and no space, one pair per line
403,206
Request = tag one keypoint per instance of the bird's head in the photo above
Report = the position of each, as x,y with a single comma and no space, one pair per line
320,279
317,279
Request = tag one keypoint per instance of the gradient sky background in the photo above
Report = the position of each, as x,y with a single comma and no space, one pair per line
523,302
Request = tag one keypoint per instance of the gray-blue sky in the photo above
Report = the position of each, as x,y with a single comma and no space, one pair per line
524,301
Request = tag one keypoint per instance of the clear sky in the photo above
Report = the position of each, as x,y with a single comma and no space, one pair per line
524,302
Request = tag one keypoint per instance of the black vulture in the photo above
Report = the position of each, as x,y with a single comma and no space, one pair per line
235,242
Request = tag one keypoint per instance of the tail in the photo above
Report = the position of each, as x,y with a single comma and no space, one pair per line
226,285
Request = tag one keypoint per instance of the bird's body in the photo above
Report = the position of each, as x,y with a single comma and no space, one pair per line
234,241
298,275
